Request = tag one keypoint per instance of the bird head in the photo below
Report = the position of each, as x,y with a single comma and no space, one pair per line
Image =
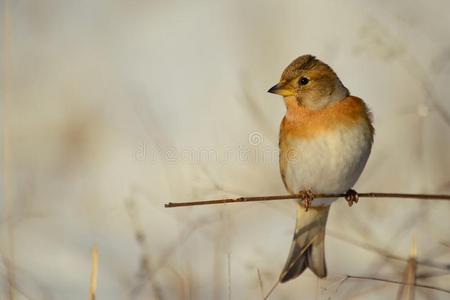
312,83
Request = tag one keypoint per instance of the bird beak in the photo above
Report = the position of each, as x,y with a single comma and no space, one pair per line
281,89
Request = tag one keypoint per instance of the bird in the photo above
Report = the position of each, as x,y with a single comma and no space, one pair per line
325,140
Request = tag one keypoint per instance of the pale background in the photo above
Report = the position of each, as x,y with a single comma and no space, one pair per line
112,108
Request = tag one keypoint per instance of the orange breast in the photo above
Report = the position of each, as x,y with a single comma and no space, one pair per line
304,124
300,122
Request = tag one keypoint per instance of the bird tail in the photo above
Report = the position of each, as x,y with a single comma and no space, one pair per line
307,249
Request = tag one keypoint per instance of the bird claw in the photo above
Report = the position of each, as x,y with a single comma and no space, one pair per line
307,197
351,196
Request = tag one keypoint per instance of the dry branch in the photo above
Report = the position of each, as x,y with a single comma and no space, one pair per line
300,196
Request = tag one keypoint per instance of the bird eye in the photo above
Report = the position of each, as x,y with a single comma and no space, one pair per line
303,81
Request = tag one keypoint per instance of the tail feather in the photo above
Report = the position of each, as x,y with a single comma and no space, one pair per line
307,249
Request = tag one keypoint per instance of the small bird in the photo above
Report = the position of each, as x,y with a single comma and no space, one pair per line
325,140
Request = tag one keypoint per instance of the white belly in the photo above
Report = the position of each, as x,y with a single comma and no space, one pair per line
329,163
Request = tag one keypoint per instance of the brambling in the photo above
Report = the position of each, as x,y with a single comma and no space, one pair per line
325,140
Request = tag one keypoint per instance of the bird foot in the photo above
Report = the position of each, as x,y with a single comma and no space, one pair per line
351,196
307,197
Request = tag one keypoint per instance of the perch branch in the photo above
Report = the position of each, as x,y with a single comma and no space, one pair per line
301,196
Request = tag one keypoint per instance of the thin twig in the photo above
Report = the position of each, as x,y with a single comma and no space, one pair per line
94,271
8,266
261,286
229,274
272,289
299,196
382,252
425,286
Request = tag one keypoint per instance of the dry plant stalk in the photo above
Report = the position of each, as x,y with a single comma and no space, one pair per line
425,286
260,282
229,274
407,290
94,271
301,196
141,239
7,148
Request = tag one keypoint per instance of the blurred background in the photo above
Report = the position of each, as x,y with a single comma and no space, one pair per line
112,108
